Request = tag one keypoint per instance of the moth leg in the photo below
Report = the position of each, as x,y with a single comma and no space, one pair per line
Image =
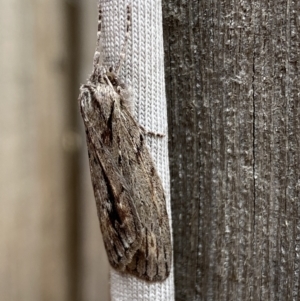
123,52
151,134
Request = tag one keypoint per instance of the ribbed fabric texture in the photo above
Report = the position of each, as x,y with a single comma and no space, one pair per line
143,72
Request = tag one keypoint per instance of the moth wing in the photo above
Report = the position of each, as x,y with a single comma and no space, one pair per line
129,194
152,260
119,221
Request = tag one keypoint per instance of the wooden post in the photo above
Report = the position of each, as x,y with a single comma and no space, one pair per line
37,143
233,92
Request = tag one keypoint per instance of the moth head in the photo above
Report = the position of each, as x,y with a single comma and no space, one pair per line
96,103
112,77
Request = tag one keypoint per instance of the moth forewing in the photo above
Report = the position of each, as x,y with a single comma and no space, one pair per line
129,195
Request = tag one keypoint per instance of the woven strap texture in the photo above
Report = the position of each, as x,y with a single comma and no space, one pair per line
143,72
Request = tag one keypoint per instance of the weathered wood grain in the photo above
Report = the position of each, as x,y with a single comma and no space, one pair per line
233,93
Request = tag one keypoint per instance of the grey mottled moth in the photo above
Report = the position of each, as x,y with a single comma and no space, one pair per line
129,194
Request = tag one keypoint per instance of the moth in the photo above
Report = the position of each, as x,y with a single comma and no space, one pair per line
129,195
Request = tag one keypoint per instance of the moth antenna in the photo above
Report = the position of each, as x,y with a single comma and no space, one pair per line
96,60
108,81
123,52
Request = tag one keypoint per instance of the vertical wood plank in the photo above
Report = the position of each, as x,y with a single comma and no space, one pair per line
232,74
35,125
93,280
